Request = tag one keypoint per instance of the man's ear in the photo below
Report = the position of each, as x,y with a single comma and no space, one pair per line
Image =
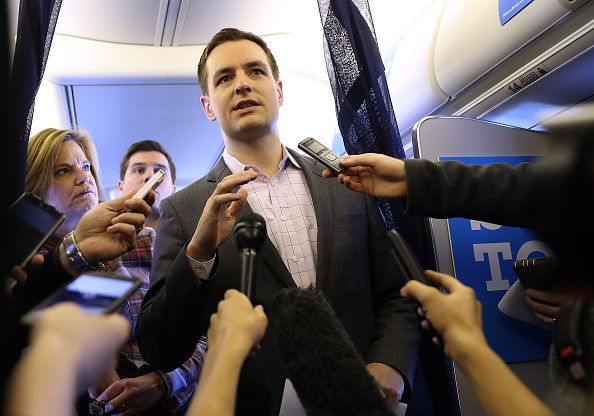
121,186
205,102
279,91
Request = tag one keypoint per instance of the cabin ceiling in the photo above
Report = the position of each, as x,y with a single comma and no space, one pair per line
126,71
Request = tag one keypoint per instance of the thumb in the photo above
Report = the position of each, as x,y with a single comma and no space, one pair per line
365,159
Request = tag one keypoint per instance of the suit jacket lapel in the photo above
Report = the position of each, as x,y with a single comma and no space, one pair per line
322,201
268,253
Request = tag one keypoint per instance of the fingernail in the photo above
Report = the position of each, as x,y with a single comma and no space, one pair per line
108,408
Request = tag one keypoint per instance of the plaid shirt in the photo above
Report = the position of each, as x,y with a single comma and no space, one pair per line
182,381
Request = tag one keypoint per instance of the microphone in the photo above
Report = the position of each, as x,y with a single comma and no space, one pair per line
326,370
250,234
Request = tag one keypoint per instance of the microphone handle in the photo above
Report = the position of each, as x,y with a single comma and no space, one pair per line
248,271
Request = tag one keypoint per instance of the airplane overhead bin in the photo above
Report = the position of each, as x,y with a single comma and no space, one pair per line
486,59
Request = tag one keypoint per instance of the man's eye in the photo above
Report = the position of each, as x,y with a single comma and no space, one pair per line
224,79
138,170
257,71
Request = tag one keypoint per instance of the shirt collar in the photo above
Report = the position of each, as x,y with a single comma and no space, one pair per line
235,165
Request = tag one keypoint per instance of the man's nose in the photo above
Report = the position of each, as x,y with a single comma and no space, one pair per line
242,84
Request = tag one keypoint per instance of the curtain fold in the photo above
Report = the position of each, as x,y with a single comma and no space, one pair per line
36,24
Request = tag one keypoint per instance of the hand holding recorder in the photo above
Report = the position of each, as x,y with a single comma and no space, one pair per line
374,174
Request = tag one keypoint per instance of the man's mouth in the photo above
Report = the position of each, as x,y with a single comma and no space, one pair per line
245,104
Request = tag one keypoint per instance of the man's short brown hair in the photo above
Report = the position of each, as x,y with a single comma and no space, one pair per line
146,146
230,34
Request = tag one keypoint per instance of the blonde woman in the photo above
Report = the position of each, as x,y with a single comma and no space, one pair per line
63,169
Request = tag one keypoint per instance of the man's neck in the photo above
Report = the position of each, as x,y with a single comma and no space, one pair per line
265,153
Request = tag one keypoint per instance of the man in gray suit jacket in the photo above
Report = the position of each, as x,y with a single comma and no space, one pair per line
319,234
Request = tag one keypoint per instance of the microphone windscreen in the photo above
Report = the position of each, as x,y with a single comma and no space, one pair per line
250,231
327,372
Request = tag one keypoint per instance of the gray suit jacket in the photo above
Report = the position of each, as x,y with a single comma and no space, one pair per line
355,270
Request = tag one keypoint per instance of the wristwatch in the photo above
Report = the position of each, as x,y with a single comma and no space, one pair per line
75,257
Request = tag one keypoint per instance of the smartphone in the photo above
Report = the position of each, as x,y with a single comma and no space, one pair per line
537,273
407,261
151,184
95,292
30,223
322,154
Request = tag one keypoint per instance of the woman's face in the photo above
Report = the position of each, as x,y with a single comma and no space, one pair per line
74,190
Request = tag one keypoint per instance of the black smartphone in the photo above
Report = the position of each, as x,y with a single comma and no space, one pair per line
407,261
537,273
30,223
321,153
95,292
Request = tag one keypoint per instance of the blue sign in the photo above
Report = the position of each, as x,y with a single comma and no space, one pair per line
483,255
510,8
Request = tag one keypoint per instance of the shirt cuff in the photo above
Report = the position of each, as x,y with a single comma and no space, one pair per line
202,270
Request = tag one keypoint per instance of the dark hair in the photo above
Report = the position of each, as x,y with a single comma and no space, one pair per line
229,35
145,146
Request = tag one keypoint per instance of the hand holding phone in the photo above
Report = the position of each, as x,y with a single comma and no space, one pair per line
321,153
30,222
410,268
95,292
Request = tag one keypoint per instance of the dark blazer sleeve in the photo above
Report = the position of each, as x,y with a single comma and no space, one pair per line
173,303
493,193
395,333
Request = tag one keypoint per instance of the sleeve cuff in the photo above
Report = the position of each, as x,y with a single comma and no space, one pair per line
202,270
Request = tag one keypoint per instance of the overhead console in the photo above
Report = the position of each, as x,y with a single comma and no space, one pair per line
511,61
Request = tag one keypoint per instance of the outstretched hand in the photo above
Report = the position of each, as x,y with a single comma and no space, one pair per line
109,230
374,174
455,315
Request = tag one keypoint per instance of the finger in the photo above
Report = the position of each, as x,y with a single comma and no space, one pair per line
117,402
426,325
37,260
546,319
137,220
237,205
234,180
365,159
542,308
112,393
417,291
448,282
218,201
552,298
137,205
327,173
232,292
126,231
18,274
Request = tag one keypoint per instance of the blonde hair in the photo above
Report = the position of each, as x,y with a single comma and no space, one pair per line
42,154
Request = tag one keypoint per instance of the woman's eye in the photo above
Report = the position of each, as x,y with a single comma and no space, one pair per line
62,171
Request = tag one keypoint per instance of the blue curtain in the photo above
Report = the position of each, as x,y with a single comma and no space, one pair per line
367,123
36,25
363,106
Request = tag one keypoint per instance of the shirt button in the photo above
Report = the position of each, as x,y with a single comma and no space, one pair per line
295,259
